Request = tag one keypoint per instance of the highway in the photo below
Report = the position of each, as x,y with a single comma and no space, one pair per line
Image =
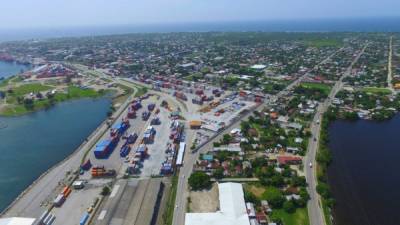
315,212
190,159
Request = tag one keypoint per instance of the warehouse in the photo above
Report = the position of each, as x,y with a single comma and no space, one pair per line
17,221
232,208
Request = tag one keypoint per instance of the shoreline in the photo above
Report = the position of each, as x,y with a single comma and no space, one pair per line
72,161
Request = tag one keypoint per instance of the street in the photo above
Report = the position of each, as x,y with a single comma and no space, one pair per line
315,212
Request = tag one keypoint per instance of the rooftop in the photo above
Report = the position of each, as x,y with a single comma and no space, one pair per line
232,208
17,221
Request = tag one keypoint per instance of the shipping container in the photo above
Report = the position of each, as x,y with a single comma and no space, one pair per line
145,116
155,121
59,200
131,113
86,166
132,138
125,151
151,106
105,148
84,219
180,96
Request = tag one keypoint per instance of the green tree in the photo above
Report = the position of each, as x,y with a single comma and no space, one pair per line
289,206
28,104
105,191
274,196
323,189
199,181
226,139
218,173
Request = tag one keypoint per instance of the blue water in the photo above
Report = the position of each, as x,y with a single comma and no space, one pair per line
31,144
364,175
8,69
321,25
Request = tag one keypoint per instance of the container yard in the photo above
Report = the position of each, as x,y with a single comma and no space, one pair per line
107,160
148,139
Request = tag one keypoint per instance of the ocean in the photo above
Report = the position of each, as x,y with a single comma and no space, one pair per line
322,25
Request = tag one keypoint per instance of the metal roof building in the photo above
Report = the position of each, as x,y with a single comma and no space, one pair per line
232,208
17,221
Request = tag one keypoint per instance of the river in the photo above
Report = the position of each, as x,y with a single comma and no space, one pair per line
364,175
8,69
31,144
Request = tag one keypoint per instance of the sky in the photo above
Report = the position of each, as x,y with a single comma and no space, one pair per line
59,13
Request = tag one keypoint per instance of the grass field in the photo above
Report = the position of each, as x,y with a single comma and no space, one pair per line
76,92
375,90
300,217
141,91
28,88
321,87
15,108
169,212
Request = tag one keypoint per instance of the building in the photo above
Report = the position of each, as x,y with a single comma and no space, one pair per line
289,160
232,208
17,221
258,67
195,124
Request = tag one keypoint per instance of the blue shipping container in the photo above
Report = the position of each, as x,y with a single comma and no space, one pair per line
84,219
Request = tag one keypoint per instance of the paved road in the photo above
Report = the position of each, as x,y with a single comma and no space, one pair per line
190,159
390,68
315,212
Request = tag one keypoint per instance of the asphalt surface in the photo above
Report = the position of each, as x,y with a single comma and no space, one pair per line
315,212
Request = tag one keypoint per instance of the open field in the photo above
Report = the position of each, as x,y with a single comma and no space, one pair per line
15,105
300,217
376,90
204,201
324,88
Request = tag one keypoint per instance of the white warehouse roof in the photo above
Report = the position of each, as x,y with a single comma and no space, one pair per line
259,67
232,208
17,221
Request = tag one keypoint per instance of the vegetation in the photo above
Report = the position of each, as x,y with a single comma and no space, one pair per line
170,206
274,197
314,91
31,97
327,42
199,181
105,191
324,158
141,91
376,90
299,217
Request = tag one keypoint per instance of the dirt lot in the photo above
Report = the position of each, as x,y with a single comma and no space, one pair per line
257,191
204,201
